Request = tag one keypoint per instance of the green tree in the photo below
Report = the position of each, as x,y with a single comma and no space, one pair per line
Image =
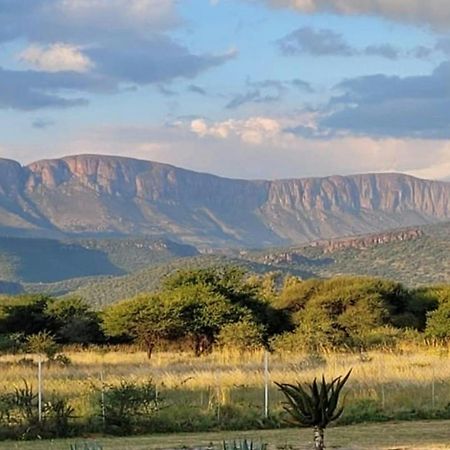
340,311
25,314
315,405
203,313
75,321
243,336
244,295
438,321
148,319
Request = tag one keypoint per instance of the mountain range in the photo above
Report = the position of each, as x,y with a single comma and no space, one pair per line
105,196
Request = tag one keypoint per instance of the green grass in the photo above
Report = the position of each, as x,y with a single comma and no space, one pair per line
405,435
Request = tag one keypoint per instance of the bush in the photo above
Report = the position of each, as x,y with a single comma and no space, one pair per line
19,415
363,410
311,342
380,337
57,416
43,344
12,343
128,405
242,336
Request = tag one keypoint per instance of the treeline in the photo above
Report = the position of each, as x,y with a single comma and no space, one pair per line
227,307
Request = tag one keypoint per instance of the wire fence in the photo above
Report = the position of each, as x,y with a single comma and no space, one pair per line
411,395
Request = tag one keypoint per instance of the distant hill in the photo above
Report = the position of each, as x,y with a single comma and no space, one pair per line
413,256
9,288
98,196
44,260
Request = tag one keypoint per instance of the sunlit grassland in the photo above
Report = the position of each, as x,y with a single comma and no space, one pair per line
412,378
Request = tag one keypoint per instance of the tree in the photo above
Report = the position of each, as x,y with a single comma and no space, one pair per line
149,319
75,321
232,288
25,314
203,313
243,336
315,405
340,311
438,321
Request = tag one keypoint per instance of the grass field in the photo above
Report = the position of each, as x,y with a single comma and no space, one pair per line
398,382
398,436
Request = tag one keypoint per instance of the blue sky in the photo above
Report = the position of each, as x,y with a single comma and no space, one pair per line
240,88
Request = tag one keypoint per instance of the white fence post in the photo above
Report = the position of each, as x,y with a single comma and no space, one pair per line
103,398
266,384
40,388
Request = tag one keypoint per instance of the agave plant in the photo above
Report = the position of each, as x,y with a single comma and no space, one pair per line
86,446
243,445
315,405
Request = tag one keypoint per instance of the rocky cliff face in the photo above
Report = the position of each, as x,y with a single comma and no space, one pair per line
95,195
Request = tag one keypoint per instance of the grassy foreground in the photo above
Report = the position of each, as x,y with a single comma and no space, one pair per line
398,436
402,380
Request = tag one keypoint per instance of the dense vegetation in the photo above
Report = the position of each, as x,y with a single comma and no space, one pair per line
106,270
197,311
421,261
225,306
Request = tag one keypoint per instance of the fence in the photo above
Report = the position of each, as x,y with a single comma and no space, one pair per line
221,391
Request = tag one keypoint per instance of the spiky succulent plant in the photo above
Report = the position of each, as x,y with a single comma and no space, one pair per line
315,405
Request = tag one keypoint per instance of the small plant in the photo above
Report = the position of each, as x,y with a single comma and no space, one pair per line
315,405
61,360
43,344
86,446
243,445
57,415
24,400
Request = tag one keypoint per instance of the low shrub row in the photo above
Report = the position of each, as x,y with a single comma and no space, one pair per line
138,408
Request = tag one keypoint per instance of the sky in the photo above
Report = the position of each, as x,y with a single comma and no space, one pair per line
239,88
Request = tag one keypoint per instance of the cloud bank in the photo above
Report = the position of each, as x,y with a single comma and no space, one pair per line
257,147
392,106
87,46
434,13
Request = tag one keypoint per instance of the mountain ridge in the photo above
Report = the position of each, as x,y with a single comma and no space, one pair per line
96,195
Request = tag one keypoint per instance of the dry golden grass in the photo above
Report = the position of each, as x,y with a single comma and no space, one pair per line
407,377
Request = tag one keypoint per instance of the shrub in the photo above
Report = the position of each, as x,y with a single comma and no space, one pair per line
57,415
242,336
19,414
127,405
42,343
363,410
12,343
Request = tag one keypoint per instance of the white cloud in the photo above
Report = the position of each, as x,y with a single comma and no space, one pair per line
257,148
440,170
430,12
56,58
254,130
145,15
85,21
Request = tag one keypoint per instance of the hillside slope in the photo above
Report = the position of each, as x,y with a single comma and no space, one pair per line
36,260
422,258
93,195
